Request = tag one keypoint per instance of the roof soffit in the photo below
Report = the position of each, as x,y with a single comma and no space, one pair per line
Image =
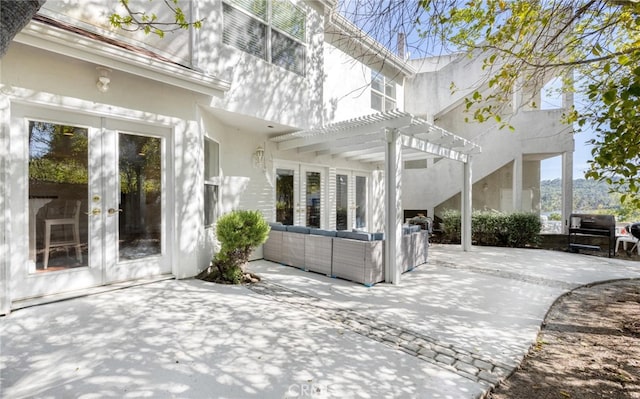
63,41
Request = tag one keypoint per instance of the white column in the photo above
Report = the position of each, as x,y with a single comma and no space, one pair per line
567,189
517,184
393,206
466,210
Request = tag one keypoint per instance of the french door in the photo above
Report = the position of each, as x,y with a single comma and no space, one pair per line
300,195
89,199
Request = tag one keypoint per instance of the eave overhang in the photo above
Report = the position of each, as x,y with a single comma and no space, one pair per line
70,43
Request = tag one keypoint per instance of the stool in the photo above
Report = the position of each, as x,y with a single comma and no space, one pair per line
69,217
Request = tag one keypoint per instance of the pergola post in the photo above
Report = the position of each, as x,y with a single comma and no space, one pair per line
466,210
393,205
567,189
517,184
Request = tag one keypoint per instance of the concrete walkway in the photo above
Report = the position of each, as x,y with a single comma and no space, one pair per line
451,329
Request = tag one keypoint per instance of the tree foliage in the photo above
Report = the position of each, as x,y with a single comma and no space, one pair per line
594,45
524,41
141,19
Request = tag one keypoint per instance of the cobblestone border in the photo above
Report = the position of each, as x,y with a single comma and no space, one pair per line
462,362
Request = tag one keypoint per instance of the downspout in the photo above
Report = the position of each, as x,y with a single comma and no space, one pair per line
193,57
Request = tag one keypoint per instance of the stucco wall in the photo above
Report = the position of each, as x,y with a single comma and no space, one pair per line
348,86
486,194
258,88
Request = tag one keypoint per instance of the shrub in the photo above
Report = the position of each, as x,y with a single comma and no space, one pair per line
487,228
523,229
451,222
495,228
239,232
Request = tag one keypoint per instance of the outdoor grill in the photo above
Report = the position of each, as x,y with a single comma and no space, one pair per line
634,229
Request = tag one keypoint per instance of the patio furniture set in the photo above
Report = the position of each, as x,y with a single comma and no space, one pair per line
352,255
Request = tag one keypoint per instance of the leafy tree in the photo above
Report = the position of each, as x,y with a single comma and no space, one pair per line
521,43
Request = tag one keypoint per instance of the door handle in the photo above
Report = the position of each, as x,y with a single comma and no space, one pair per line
111,211
94,212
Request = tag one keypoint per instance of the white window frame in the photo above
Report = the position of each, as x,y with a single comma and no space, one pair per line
270,28
386,98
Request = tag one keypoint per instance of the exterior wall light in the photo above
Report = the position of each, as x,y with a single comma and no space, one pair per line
103,79
258,158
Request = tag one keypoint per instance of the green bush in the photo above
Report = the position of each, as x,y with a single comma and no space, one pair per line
495,228
239,232
523,229
487,228
451,222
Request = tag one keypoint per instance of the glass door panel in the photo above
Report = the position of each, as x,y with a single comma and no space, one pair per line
313,197
342,202
285,192
361,202
58,191
299,195
140,208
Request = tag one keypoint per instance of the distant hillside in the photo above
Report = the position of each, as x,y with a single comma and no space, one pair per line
587,195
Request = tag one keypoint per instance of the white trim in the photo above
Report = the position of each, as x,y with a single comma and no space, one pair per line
82,107
57,40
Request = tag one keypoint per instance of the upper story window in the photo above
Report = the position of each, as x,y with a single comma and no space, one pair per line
274,30
383,92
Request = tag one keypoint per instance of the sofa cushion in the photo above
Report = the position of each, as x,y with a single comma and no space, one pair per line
298,229
362,236
412,228
377,236
323,232
277,226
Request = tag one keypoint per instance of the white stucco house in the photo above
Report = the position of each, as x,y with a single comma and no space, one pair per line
119,150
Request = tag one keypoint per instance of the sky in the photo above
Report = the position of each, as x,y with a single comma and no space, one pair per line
552,168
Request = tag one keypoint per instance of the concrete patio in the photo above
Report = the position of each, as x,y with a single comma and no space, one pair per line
450,329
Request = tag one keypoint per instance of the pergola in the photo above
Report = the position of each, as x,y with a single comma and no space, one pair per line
390,138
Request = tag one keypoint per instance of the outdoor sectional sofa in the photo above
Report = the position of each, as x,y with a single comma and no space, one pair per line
352,255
